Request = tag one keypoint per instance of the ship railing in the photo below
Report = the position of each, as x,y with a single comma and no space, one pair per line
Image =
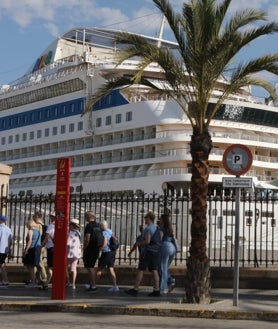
46,74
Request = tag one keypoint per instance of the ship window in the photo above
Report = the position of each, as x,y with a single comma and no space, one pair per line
55,111
81,106
98,122
128,116
47,113
31,135
3,140
108,120
64,110
46,132
63,129
3,124
24,136
54,131
40,115
71,127
39,133
118,118
72,108
80,125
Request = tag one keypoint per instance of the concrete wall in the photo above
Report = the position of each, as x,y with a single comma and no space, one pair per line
251,278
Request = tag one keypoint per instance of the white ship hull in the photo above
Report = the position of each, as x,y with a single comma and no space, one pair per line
135,141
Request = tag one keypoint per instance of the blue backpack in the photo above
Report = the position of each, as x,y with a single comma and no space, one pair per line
114,243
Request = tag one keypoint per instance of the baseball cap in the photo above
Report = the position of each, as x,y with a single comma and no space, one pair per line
3,218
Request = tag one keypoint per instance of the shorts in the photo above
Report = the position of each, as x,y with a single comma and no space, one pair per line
3,258
72,264
50,255
149,260
90,258
107,259
32,258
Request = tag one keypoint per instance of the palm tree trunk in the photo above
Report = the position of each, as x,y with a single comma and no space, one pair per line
198,268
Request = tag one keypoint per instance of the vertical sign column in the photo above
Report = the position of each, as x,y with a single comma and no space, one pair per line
61,228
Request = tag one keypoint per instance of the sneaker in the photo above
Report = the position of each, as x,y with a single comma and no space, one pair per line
164,291
132,292
43,287
31,285
73,287
4,284
171,287
91,289
155,293
114,289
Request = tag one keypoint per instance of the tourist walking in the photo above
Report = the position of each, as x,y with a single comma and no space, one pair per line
150,256
168,252
48,243
93,240
31,253
6,250
41,272
107,258
74,252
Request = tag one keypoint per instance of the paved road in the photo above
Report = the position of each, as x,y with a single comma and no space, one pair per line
22,320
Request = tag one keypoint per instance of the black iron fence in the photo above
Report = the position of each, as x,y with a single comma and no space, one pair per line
125,212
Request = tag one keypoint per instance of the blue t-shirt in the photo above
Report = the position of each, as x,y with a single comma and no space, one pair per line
107,234
149,230
166,237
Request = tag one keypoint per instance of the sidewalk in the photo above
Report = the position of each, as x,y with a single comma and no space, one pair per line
252,304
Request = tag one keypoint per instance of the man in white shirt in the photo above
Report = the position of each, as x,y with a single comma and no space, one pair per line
6,244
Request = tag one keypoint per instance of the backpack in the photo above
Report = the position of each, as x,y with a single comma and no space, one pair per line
114,243
156,241
97,236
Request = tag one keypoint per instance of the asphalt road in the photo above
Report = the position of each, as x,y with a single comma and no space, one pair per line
23,320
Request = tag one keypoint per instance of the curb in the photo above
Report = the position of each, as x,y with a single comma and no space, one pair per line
146,310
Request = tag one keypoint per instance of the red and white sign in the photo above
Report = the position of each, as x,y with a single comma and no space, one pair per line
237,159
61,228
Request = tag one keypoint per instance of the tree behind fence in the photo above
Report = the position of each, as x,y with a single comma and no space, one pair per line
125,213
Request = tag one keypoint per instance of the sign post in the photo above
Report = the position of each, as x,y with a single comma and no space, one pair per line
61,228
237,160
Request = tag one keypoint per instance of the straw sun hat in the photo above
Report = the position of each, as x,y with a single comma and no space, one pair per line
75,222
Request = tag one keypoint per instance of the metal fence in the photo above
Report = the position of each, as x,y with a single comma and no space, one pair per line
125,212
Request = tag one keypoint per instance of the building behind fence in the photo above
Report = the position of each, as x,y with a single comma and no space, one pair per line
124,213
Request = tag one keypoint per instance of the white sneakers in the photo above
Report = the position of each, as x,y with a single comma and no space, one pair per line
114,289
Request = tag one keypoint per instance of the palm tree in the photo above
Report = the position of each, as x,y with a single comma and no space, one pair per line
208,41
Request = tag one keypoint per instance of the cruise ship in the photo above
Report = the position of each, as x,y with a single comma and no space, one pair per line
133,140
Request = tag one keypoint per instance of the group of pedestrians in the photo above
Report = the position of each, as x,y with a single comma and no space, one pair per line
155,245
157,251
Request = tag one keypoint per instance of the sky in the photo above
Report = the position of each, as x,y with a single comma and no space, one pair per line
27,27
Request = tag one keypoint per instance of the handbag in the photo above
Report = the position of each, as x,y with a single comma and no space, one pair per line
176,244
